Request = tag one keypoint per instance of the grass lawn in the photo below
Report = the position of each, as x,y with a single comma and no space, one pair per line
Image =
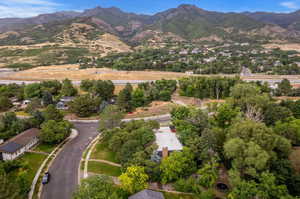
22,113
34,162
102,168
177,196
101,152
47,148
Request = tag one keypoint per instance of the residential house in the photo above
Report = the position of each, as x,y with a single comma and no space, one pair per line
19,144
147,194
167,142
63,103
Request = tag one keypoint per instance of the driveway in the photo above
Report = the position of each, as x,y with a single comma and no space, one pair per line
64,170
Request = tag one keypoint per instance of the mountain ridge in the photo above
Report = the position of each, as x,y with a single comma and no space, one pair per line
187,21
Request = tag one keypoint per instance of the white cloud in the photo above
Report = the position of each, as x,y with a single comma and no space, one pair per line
27,8
290,4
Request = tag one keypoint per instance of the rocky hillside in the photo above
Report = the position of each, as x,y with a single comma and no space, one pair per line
186,22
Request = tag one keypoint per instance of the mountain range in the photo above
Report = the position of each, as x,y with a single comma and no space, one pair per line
186,22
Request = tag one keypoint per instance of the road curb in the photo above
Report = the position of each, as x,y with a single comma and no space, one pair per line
90,148
127,120
55,152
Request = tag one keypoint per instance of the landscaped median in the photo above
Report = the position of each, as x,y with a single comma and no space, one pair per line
36,187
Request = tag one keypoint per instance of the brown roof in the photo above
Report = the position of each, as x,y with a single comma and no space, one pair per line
20,140
25,137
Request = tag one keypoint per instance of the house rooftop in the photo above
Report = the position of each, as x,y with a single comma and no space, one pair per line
147,194
165,138
19,140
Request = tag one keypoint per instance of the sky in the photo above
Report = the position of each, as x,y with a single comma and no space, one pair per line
29,8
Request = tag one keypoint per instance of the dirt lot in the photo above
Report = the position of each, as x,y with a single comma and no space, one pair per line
155,108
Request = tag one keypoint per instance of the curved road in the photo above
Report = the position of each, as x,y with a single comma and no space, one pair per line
64,170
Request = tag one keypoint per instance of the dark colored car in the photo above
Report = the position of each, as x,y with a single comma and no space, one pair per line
172,128
46,178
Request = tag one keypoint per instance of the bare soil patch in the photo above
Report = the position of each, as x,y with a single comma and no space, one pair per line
295,158
155,108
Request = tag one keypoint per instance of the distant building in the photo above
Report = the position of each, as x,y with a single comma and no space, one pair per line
189,72
63,103
167,142
147,194
246,72
19,144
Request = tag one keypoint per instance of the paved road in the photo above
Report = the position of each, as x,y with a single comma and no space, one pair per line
64,169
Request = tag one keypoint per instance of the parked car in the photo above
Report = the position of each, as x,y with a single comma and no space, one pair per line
46,178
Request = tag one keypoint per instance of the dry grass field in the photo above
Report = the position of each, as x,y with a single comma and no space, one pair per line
72,72
155,108
287,46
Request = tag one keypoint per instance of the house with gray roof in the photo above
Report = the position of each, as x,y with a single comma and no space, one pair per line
19,144
147,194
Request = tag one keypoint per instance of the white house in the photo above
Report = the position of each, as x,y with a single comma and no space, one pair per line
63,103
167,142
19,144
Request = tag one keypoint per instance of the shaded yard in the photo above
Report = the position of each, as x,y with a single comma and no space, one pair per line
101,152
34,162
42,147
102,168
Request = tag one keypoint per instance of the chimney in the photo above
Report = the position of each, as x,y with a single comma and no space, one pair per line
165,152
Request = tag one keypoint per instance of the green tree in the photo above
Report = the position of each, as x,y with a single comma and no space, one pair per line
8,188
256,132
248,157
225,115
208,174
47,98
134,179
103,89
32,91
53,87
110,118
23,182
53,132
85,105
178,165
289,130
124,98
97,187
284,88
68,89
86,85
275,112
138,98
52,113
5,103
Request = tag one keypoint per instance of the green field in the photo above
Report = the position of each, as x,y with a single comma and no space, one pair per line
47,148
102,168
101,152
34,162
